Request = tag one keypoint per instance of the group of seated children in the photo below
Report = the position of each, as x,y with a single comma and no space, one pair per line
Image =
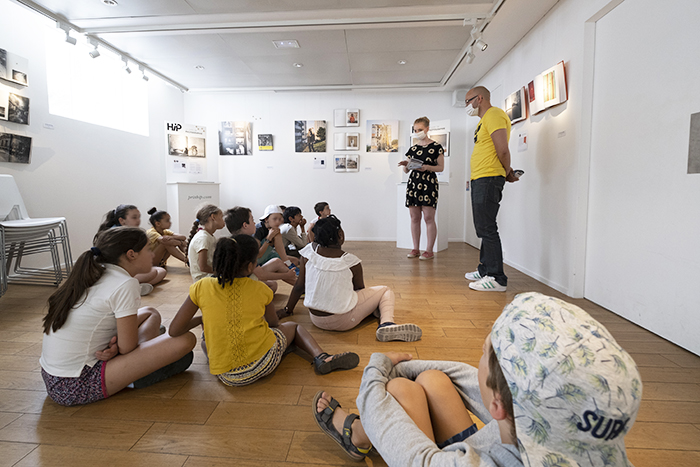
552,387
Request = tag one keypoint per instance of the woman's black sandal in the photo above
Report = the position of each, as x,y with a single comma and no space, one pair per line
324,420
344,361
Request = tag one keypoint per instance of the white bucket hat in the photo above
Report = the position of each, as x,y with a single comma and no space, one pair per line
575,391
271,209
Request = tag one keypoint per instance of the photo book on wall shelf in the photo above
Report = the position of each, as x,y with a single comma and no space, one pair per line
265,142
186,140
516,106
346,141
15,148
18,109
548,89
384,135
347,163
236,139
310,136
13,68
346,117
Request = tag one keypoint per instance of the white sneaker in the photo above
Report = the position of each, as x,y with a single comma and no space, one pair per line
487,284
146,288
472,276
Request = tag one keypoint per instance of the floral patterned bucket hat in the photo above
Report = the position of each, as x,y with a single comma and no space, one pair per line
576,392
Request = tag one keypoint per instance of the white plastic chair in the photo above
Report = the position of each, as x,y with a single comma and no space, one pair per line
21,236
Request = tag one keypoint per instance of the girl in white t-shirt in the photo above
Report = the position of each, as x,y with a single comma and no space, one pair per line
97,340
201,244
336,295
128,215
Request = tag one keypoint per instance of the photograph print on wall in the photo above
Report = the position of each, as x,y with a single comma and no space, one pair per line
384,135
516,107
352,117
18,109
4,103
15,148
236,139
310,136
3,63
265,142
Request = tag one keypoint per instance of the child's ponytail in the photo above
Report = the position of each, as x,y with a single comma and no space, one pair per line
109,248
112,218
232,256
202,217
156,215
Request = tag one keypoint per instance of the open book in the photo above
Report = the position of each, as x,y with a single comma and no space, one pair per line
414,163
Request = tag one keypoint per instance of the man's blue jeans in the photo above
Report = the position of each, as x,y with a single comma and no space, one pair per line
486,198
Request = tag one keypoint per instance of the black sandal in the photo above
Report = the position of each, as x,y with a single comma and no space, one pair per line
324,420
341,361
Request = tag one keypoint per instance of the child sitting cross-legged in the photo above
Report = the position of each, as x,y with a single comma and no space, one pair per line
164,242
244,340
553,388
336,295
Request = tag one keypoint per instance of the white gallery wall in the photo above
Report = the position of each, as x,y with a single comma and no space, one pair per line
365,201
537,220
79,170
637,239
643,253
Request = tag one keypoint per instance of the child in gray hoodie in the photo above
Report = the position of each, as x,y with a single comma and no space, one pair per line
553,388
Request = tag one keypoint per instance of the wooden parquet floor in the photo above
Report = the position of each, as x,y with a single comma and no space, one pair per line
193,420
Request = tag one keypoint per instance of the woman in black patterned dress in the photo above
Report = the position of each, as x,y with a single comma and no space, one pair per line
422,187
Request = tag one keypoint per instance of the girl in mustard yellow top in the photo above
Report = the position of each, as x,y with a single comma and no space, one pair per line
244,339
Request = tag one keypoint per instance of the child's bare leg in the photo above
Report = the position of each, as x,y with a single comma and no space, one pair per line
272,285
156,275
148,319
279,248
359,438
276,265
296,334
175,251
160,254
411,396
448,415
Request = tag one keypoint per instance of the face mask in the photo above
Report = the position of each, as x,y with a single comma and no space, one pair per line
419,135
471,111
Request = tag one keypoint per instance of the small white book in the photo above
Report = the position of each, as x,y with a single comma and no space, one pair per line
414,163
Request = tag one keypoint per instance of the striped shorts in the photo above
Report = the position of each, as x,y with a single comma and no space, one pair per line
258,369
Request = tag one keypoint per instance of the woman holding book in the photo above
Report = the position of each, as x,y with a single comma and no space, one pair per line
424,159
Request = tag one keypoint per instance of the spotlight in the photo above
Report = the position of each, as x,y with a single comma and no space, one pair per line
143,73
66,29
126,64
93,53
71,40
478,41
470,55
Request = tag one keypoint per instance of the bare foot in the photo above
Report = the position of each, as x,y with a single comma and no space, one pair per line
359,437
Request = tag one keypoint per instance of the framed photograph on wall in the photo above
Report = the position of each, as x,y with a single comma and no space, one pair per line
383,135
18,109
548,89
265,142
15,148
516,106
310,136
236,139
346,141
13,68
4,103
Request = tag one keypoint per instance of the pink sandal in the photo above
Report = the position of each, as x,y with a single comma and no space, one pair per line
413,254
426,256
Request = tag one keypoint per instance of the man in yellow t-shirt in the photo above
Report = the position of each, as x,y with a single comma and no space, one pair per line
490,167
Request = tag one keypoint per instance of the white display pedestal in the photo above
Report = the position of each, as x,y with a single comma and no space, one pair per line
185,199
403,220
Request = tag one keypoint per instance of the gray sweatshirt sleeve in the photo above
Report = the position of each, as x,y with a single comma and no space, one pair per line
400,441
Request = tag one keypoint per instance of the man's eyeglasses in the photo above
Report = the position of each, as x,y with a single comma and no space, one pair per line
469,100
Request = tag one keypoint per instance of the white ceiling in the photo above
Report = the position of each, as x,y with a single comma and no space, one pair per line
343,44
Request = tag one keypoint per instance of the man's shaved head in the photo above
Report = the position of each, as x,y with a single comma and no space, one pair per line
481,91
